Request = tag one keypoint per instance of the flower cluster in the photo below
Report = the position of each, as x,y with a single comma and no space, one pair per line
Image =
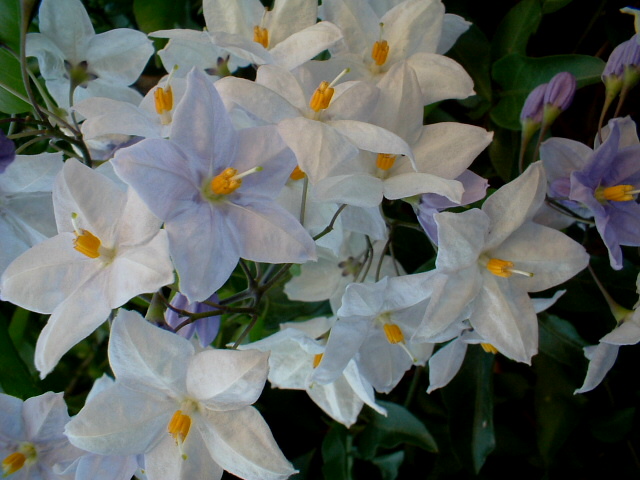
167,202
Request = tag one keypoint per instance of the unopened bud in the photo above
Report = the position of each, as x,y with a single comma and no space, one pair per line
558,96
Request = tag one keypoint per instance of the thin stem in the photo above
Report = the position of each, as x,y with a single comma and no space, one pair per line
329,227
303,201
245,332
27,144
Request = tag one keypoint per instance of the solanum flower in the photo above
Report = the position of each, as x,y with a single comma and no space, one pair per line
286,35
296,350
108,250
32,441
488,260
188,412
215,188
68,50
605,180
375,324
26,208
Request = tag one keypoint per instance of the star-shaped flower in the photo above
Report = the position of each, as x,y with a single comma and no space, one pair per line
108,250
188,412
215,188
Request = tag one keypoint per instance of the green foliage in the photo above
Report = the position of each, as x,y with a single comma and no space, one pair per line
153,15
517,75
10,24
516,28
15,377
336,454
469,400
399,426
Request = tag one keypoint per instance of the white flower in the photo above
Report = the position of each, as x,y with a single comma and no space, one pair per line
188,412
32,441
112,251
101,65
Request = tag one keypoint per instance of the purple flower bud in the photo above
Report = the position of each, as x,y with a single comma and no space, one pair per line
627,54
533,105
7,152
206,328
560,91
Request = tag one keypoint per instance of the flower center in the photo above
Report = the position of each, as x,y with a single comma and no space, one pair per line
504,268
617,193
87,243
317,358
178,428
261,36
385,161
321,98
379,52
297,174
487,347
229,180
394,334
16,460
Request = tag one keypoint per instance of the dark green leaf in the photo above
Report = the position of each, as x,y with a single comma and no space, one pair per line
336,454
10,23
503,152
550,6
11,77
558,410
612,427
389,464
399,426
15,378
518,75
469,400
472,51
516,28
152,15
560,340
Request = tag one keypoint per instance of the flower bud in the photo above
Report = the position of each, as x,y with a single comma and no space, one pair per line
623,67
558,96
531,114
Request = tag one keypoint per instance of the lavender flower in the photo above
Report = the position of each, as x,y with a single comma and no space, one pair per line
206,328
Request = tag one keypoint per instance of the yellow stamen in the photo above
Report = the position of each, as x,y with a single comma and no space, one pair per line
230,180
317,358
261,36
385,161
87,243
617,193
297,174
504,268
321,98
487,347
13,463
393,333
164,103
380,51
225,183
179,426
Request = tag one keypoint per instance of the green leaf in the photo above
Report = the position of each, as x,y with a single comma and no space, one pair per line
152,15
561,341
399,426
472,51
503,152
15,378
518,75
11,77
389,464
613,427
10,23
558,410
550,6
469,400
336,454
516,28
